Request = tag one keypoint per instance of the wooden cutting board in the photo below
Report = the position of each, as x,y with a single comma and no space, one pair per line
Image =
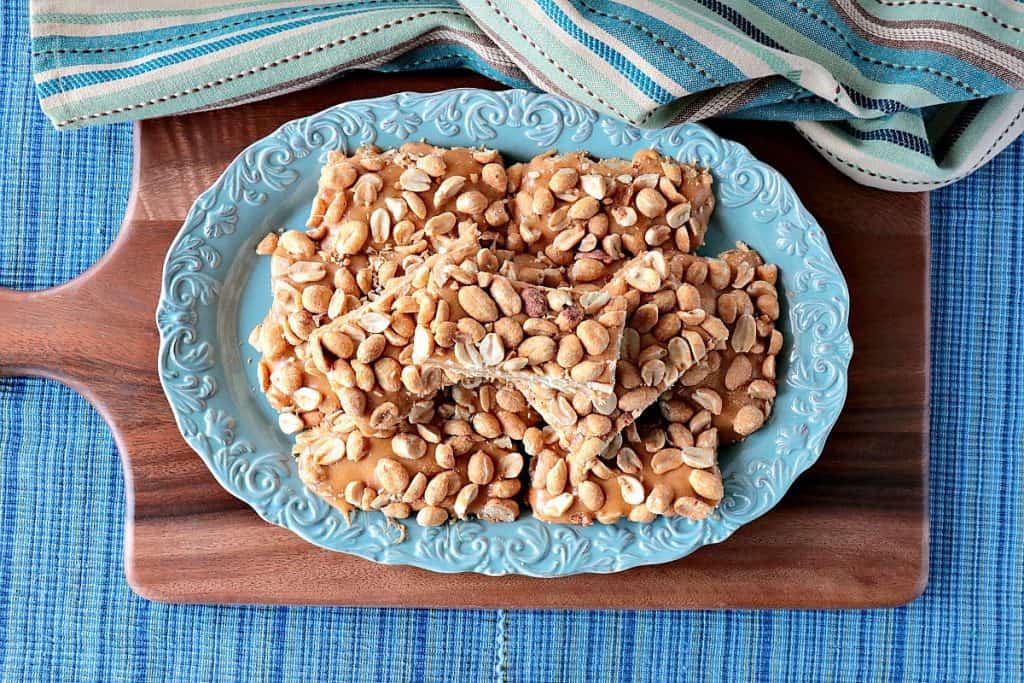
852,532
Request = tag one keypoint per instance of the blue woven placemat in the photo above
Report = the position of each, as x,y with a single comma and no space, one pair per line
67,614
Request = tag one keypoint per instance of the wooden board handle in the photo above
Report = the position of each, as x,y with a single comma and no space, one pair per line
27,343
93,333
97,333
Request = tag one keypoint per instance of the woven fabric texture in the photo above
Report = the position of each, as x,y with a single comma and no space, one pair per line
905,95
66,613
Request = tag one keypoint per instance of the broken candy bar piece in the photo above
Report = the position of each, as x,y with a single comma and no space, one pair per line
738,381
577,220
376,216
668,332
387,209
456,460
654,467
366,354
478,324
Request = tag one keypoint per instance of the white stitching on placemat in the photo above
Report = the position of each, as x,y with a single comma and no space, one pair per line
501,654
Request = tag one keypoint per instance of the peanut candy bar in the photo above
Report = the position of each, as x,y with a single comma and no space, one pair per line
301,284
376,216
302,398
667,333
366,354
725,397
375,211
654,467
578,220
457,460
737,382
487,326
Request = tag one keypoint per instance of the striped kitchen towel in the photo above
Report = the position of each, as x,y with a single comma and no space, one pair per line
900,94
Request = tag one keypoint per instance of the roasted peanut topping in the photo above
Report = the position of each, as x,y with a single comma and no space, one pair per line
668,332
484,325
453,463
578,220
447,330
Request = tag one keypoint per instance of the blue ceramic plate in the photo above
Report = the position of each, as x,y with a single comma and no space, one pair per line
216,289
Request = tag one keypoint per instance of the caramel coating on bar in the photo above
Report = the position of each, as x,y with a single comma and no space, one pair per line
742,375
457,459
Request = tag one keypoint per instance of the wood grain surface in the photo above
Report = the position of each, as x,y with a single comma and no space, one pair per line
852,532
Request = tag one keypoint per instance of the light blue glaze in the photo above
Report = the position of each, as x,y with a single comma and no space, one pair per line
215,290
